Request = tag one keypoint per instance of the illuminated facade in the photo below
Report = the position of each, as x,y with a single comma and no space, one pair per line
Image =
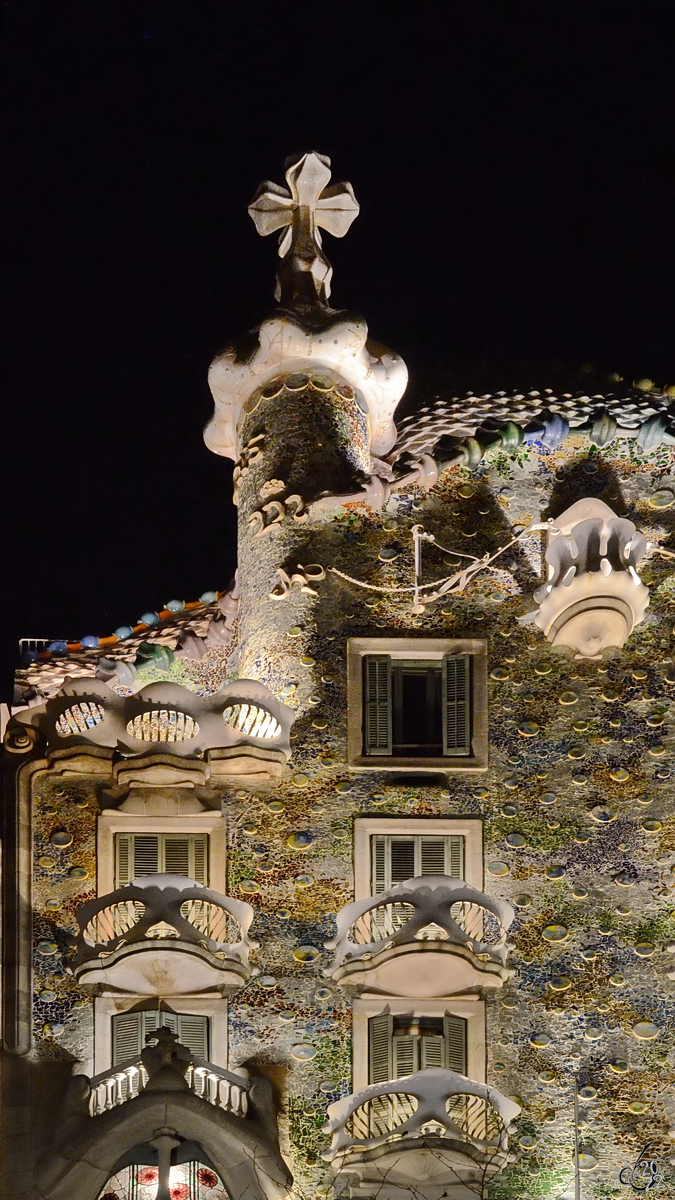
341,880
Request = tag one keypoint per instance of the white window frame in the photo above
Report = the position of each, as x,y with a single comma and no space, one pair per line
472,1010
471,829
106,1007
422,650
113,821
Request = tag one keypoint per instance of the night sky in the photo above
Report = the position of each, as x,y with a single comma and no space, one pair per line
514,166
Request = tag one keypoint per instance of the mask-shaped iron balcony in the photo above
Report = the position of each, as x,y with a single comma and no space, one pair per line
429,936
164,935
435,1133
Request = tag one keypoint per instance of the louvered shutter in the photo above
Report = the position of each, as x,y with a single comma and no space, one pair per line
145,854
432,1051
457,704
455,1043
123,858
404,1055
152,1018
380,1070
200,866
432,856
402,859
140,854
193,1032
379,850
377,704
176,854
127,1039
379,1048
454,856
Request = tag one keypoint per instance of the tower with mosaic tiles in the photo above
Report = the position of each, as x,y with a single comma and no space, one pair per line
354,879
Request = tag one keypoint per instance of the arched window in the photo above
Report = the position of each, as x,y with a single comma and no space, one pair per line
136,1176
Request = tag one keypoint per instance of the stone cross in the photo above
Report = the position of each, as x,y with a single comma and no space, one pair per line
309,204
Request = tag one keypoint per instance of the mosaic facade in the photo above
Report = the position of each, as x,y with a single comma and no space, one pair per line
575,809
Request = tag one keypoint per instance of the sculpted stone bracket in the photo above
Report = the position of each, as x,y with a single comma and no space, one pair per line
593,597
301,579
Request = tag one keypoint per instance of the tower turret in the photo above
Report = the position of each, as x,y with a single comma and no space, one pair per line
304,406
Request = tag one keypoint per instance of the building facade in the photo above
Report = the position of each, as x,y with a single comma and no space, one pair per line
356,877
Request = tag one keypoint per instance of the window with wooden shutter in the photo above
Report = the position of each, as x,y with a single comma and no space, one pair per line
377,704
457,704
379,1048
402,1045
397,857
140,854
432,1051
131,1029
454,1029
417,703
380,1070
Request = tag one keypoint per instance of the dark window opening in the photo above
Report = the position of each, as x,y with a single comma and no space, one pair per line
417,708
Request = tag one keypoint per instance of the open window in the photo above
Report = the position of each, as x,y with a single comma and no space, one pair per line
417,704
401,1045
393,1037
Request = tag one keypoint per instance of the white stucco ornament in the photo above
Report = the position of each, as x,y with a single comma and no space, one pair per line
287,347
593,597
305,336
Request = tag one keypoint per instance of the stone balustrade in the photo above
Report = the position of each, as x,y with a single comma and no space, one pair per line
224,1089
164,935
456,933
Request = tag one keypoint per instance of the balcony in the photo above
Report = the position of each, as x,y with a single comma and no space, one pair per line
243,730
163,935
432,936
435,1133
223,1089
166,1092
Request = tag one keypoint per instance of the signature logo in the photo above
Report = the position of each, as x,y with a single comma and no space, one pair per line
643,1175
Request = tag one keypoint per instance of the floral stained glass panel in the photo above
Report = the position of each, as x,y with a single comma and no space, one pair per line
188,1181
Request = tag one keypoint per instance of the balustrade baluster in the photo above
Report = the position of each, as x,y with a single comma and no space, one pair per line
225,1095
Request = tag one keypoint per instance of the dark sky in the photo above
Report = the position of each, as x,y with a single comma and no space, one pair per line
514,164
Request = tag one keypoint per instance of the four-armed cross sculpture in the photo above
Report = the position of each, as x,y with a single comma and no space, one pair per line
303,279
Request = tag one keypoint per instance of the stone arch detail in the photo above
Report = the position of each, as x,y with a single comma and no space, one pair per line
239,1149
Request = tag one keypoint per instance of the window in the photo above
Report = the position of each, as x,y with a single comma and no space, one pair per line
401,1045
139,1178
393,1036
130,1029
389,850
138,854
417,704
397,857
